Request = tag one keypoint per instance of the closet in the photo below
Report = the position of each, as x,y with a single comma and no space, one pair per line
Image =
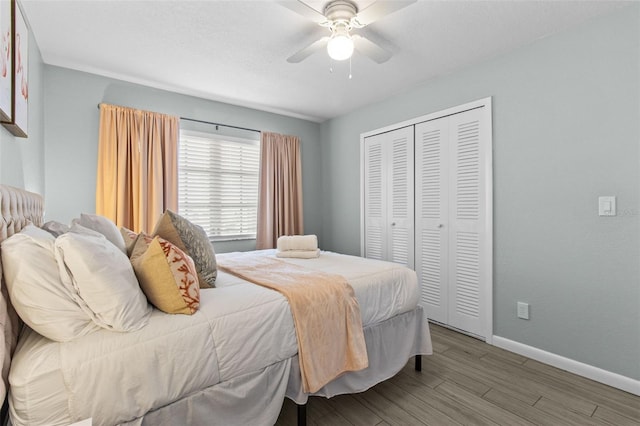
389,190
427,204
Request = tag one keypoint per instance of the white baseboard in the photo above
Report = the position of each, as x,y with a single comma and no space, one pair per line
615,380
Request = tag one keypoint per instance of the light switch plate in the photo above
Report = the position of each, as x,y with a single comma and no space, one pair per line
523,310
607,206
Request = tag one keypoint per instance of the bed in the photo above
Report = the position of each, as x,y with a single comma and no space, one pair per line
232,362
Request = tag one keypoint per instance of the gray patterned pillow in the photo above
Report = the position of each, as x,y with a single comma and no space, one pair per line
193,240
55,228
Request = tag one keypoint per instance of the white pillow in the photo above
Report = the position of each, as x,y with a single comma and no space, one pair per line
36,290
101,280
76,228
38,235
104,226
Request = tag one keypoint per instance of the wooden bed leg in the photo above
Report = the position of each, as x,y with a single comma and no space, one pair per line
302,414
418,363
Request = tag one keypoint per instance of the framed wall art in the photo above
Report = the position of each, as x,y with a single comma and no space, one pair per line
20,85
6,59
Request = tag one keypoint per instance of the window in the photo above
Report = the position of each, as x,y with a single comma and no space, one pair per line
218,183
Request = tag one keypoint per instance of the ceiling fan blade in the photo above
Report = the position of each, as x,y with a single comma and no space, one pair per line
370,49
305,10
305,52
381,9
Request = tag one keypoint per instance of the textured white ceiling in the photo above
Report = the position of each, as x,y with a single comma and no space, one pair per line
235,51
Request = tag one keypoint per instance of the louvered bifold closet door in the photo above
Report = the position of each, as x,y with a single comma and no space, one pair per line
374,199
444,162
388,196
468,134
432,216
400,181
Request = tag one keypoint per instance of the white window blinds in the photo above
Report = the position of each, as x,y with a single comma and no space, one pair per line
218,183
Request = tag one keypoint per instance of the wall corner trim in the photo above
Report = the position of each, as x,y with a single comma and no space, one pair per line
609,378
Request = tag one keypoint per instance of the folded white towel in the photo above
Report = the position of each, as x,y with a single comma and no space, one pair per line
297,242
299,254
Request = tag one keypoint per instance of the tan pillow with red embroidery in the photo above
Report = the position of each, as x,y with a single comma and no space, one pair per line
166,275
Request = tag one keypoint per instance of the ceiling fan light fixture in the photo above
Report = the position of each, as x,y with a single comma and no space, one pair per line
340,45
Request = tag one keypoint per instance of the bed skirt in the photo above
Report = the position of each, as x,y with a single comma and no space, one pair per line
256,398
390,344
252,399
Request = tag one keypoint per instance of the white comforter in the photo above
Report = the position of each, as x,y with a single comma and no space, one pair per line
383,289
240,328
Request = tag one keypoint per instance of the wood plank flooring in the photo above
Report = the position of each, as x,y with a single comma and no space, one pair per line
467,382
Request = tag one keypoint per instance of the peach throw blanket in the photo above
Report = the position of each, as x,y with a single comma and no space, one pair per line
325,313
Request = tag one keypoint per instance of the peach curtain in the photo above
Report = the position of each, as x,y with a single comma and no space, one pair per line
137,166
280,199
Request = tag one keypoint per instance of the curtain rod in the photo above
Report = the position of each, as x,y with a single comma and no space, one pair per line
220,124
216,124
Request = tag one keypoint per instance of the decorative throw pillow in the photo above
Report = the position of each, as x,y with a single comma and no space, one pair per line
129,238
55,228
101,280
36,289
193,240
104,226
167,275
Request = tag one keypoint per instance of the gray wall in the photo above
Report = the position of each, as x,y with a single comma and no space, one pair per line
71,125
22,159
566,123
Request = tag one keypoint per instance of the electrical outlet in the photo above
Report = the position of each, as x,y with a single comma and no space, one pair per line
523,310
607,206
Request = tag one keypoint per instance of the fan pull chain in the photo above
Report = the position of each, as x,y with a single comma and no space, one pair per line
350,68
331,68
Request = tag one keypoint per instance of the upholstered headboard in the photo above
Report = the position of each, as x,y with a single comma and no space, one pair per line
18,208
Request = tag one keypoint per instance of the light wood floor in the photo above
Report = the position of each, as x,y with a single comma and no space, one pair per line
468,382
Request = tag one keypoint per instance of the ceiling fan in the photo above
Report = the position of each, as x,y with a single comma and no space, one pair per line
341,17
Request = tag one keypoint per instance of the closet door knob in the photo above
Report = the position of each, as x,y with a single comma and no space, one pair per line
441,226
393,224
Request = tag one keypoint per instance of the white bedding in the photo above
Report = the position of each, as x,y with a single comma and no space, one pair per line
241,328
238,329
383,289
